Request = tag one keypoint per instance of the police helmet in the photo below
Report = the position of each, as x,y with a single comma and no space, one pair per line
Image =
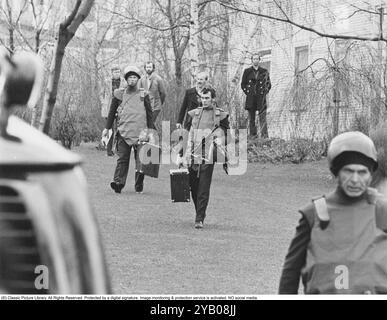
351,147
131,70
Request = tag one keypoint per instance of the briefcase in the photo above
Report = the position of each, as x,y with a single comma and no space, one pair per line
149,169
180,190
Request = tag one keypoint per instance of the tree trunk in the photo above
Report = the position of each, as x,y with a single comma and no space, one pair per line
179,72
67,31
11,40
193,40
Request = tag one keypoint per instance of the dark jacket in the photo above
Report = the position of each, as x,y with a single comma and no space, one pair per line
191,101
256,85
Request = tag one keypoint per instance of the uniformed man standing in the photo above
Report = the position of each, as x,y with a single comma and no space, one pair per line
340,244
256,85
134,116
206,137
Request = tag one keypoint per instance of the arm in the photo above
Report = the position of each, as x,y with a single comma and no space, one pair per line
268,83
183,109
148,109
224,124
295,259
381,214
112,112
244,81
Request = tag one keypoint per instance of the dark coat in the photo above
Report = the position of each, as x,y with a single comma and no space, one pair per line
191,101
256,88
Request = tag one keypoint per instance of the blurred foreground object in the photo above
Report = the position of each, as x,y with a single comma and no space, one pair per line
49,238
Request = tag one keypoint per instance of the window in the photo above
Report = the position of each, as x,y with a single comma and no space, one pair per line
265,59
301,59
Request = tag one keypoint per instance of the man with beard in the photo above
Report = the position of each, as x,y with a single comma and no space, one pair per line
153,85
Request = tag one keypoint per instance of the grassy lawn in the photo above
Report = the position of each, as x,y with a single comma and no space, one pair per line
152,247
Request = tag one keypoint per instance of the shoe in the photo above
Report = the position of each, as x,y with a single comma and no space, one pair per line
116,187
139,192
139,189
199,225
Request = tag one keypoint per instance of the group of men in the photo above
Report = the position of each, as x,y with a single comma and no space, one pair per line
340,245
136,107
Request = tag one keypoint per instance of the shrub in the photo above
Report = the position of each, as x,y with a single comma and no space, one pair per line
274,150
361,122
379,136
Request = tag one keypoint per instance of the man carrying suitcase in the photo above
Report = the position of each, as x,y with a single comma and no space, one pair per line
134,119
207,134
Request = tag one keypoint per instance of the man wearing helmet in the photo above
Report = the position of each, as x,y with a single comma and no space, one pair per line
340,244
134,118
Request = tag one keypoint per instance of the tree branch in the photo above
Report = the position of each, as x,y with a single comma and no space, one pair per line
287,20
72,15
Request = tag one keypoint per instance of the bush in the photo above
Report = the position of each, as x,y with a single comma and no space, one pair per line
361,122
275,150
379,136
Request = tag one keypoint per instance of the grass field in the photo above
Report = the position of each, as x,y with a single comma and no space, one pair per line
152,247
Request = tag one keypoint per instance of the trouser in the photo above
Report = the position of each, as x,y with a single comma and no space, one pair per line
262,123
122,168
109,146
200,183
155,114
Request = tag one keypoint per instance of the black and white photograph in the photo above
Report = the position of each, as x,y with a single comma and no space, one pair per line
216,150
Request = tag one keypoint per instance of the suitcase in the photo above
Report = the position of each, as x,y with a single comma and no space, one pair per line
180,190
149,169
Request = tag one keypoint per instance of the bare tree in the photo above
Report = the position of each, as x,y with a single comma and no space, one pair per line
285,16
193,40
12,16
67,31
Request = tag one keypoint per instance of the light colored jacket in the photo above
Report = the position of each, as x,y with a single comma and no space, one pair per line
154,86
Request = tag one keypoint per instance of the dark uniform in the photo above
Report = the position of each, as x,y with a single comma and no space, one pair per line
204,120
191,101
256,85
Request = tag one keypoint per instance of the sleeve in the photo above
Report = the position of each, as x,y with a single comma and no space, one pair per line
148,109
244,81
295,258
268,82
112,112
162,91
381,214
183,109
225,124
